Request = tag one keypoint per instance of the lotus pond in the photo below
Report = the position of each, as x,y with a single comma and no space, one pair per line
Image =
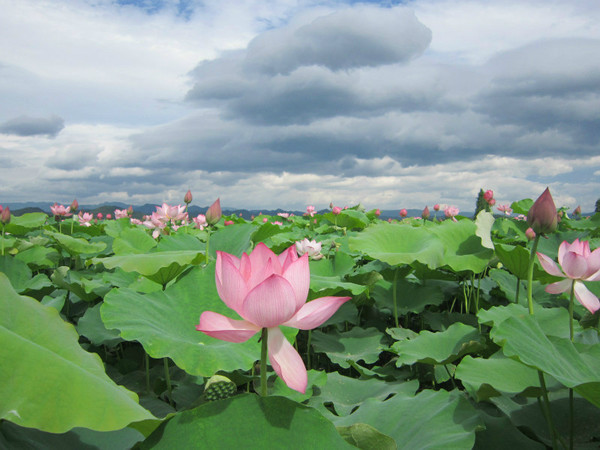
438,346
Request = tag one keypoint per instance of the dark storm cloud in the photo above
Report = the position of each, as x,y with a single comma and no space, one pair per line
553,85
346,39
33,126
301,73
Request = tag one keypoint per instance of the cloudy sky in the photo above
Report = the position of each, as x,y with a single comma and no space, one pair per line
286,103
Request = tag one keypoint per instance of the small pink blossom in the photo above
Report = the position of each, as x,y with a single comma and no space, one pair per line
313,248
425,214
284,215
377,212
265,219
488,195
530,234
99,216
436,207
336,210
506,209
121,213
228,222
200,221
109,216
310,211
136,221
85,219
451,211
403,213
60,210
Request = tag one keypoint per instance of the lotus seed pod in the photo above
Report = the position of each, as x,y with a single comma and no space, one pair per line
219,387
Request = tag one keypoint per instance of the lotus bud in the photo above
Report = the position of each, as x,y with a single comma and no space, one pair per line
188,197
577,211
436,207
99,216
377,212
229,222
5,216
488,195
492,202
542,216
74,205
130,211
213,214
530,234
330,205
109,216
403,212
425,214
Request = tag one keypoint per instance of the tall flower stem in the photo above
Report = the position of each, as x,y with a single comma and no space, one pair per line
571,335
263,362
394,294
207,246
2,239
530,273
168,379
546,402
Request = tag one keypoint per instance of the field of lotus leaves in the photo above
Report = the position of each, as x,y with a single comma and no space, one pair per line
438,347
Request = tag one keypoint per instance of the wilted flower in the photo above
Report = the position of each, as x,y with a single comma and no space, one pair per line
313,248
579,264
268,290
542,215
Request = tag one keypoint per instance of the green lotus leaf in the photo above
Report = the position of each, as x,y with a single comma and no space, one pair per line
261,422
233,239
133,241
430,419
515,258
442,347
575,365
355,345
20,225
47,381
489,377
164,322
77,246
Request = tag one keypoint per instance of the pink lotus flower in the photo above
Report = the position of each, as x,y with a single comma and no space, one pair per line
60,210
310,211
284,215
228,222
187,198
74,205
403,212
425,214
336,210
313,248
109,216
5,215
214,213
377,212
506,209
277,222
488,195
167,213
121,213
451,211
85,219
578,264
200,221
436,207
99,216
268,290
542,215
